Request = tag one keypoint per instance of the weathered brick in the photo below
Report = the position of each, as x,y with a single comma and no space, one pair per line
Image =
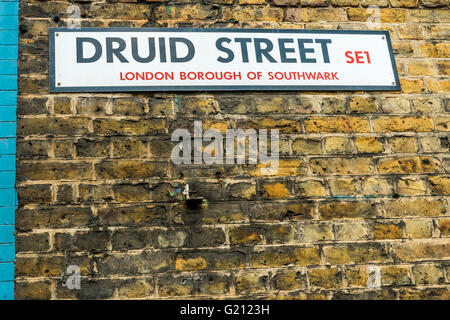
408,187
246,282
315,14
245,235
415,207
32,242
131,239
273,256
118,169
322,166
281,233
415,250
92,148
402,124
54,170
336,124
408,165
369,144
426,274
133,215
444,227
363,105
53,126
33,149
395,276
37,290
416,229
52,217
175,285
277,211
135,288
403,144
289,280
325,278
113,127
352,231
387,230
275,190
316,232
338,145
306,146
355,253
35,193
351,209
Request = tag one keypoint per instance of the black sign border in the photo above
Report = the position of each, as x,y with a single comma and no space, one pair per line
54,88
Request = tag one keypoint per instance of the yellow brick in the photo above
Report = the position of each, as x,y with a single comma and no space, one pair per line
252,13
276,190
408,165
412,85
310,188
369,145
438,86
440,185
411,187
341,187
336,124
338,145
376,186
420,68
387,231
443,67
395,276
363,105
316,14
190,264
418,229
403,144
403,124
404,3
394,15
443,123
438,50
411,32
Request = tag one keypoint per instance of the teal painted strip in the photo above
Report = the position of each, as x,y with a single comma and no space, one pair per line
7,198
8,24
7,179
9,9
7,252
9,37
7,146
8,113
8,82
8,66
7,290
7,271
6,234
7,162
7,216
8,51
8,98
7,129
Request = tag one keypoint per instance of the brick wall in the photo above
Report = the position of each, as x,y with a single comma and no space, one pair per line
362,190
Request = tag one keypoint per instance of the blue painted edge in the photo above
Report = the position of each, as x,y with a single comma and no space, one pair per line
7,216
9,39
